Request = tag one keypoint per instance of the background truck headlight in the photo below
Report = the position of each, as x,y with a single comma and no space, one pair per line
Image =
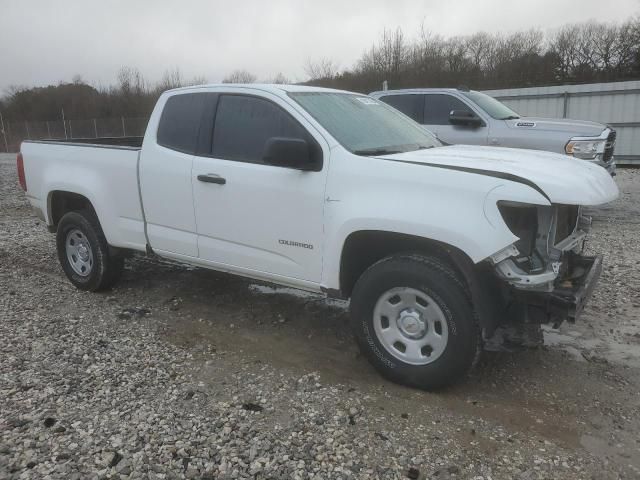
586,149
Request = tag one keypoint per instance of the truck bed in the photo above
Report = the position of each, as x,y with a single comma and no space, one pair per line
128,142
103,170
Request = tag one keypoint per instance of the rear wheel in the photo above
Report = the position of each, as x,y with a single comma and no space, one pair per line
84,253
414,321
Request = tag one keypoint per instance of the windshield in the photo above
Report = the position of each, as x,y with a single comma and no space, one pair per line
493,107
364,126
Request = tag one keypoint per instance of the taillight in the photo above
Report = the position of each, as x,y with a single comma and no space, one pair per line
21,178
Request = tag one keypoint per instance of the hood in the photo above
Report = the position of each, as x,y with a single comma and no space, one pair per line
572,128
562,179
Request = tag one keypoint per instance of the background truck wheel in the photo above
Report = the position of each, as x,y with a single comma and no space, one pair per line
84,253
413,319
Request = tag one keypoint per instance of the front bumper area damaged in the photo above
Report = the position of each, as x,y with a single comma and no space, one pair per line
572,289
509,262
529,309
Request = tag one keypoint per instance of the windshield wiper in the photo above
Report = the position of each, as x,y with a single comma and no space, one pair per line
369,152
511,117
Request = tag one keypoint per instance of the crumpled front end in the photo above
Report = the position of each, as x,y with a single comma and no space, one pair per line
545,234
549,277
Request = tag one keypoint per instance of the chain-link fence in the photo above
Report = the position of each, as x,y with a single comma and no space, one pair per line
13,133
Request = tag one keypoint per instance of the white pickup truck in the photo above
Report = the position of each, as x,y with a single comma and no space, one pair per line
438,248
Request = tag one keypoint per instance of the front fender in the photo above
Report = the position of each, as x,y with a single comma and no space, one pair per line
454,208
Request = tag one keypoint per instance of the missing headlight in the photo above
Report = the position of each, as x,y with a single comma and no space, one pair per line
522,220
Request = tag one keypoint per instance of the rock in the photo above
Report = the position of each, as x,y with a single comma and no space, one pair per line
115,459
252,407
413,473
49,422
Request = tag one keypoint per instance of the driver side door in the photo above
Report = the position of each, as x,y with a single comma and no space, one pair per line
255,218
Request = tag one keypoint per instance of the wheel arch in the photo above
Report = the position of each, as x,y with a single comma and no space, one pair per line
60,202
363,248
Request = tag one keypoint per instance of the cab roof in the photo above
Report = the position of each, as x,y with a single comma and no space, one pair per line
265,87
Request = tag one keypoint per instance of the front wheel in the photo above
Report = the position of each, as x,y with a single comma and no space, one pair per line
413,319
84,253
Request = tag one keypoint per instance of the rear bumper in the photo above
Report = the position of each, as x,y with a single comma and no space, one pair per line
570,294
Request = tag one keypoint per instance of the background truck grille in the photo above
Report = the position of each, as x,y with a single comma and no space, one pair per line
608,147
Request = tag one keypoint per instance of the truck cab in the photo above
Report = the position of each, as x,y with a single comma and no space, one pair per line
468,117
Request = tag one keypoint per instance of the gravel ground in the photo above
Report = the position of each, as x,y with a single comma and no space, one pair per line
187,373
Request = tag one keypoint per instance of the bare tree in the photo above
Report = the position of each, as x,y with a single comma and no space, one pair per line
131,81
321,69
564,44
170,79
391,52
198,80
481,47
455,52
628,46
279,78
240,76
427,54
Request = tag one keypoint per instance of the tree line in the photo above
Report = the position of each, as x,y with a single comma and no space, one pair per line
131,96
576,53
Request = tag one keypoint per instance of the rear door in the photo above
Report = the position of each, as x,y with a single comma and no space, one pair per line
411,104
437,108
165,175
255,218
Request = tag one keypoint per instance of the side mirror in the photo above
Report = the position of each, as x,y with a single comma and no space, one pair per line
465,118
289,152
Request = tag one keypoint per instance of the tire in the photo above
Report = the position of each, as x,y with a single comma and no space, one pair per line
84,253
421,304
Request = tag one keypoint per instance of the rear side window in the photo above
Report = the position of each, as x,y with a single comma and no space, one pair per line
180,122
438,107
412,105
244,124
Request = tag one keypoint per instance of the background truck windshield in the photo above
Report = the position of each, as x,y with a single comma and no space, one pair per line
493,107
364,126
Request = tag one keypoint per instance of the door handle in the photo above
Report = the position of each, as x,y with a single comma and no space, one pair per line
212,178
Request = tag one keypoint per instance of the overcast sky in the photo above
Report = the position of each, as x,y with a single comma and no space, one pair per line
44,41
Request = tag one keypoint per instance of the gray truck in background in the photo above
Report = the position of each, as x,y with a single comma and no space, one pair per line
462,116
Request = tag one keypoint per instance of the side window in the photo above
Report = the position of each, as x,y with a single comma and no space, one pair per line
412,105
180,122
438,106
243,125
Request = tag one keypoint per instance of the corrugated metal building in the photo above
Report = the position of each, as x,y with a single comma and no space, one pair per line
616,104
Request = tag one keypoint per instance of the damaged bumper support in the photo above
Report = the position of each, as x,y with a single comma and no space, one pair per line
570,294
565,302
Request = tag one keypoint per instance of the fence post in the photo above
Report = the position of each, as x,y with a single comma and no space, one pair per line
70,130
64,125
565,106
124,132
95,127
4,134
48,131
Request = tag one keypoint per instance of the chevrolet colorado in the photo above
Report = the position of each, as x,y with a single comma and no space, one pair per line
463,116
438,248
